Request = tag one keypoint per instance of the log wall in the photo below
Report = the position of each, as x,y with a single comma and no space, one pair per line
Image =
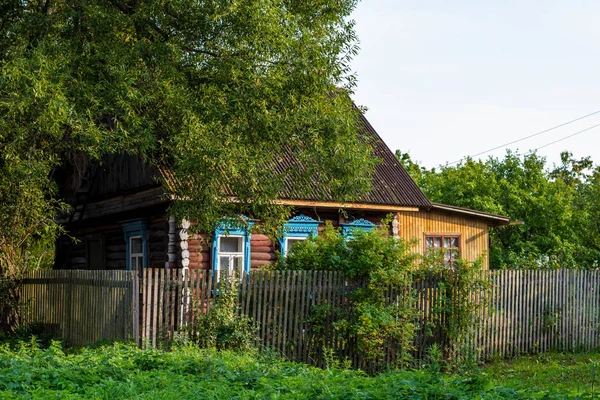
114,248
264,251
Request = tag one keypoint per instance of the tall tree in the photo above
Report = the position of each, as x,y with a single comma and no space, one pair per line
214,89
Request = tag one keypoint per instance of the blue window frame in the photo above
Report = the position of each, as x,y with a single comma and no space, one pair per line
297,229
231,248
136,247
349,229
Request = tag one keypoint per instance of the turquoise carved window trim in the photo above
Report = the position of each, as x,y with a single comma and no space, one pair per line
242,250
135,229
349,230
298,228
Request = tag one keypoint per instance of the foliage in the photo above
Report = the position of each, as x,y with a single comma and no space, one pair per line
564,372
215,90
222,327
463,294
123,371
558,206
382,262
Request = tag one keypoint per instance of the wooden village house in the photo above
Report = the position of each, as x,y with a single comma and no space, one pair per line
121,222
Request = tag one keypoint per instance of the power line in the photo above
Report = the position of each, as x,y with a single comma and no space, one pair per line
566,137
530,136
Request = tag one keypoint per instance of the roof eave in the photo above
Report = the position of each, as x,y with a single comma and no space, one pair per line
492,219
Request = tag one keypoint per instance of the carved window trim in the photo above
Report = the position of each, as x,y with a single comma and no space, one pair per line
349,229
229,230
298,228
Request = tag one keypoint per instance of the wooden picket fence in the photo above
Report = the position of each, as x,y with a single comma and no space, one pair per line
539,310
295,310
525,312
81,306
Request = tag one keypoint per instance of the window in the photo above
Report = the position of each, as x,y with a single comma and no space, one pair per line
231,254
447,244
135,244
136,253
231,249
349,229
296,230
291,241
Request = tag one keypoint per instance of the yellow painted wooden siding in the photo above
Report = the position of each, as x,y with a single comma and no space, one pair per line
474,234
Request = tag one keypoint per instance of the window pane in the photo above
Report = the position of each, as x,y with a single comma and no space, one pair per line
224,262
136,262
437,242
230,244
454,242
136,245
454,254
429,241
238,264
291,242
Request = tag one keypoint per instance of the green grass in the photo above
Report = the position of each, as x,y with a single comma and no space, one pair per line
122,371
559,371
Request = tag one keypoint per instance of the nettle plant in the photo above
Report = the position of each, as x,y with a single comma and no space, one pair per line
384,265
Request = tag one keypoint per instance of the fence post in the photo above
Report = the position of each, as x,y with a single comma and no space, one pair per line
135,305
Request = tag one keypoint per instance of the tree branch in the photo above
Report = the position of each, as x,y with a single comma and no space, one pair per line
125,9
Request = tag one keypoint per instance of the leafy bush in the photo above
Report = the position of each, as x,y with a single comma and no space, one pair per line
386,266
223,327
381,262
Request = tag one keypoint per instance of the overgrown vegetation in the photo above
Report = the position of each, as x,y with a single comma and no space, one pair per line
463,294
222,327
383,313
565,372
381,262
557,204
123,371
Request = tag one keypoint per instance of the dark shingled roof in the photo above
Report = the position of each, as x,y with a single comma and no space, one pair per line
391,184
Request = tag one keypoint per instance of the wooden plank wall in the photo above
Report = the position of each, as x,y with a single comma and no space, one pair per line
474,234
80,306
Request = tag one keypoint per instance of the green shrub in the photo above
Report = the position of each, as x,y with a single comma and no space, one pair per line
223,327
381,262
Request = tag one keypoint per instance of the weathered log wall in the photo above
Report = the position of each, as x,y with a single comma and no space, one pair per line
114,247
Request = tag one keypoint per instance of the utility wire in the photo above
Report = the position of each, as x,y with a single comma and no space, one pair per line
535,134
566,137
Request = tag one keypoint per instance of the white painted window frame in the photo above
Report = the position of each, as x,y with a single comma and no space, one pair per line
287,243
134,256
232,255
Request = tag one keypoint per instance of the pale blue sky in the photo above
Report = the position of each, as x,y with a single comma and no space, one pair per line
445,79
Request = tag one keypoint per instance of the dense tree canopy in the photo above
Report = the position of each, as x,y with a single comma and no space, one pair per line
558,206
216,90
